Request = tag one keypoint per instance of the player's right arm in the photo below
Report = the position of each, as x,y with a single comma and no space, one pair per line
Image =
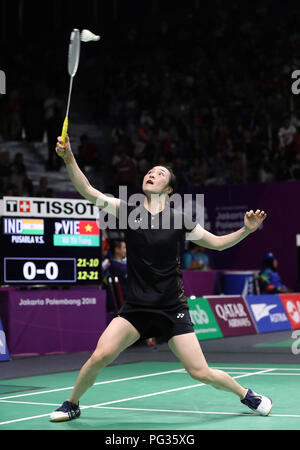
81,183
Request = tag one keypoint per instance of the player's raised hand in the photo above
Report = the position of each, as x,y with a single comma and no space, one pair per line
64,151
252,220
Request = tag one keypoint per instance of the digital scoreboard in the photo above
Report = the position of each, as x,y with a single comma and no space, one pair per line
56,244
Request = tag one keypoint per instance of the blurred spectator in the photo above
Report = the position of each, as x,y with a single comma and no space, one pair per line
33,109
11,191
53,123
5,170
281,165
295,165
88,153
269,278
219,172
238,168
19,176
118,268
196,258
286,133
181,173
265,169
143,165
44,190
126,171
14,121
198,171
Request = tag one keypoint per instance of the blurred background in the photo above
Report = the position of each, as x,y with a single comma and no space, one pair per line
203,86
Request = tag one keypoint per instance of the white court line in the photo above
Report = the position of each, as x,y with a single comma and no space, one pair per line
196,412
145,376
133,398
25,418
253,368
284,374
266,373
95,384
30,403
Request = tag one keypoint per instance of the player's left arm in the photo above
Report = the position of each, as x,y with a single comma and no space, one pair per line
202,237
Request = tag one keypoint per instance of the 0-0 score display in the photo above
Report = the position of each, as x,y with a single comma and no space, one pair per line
30,270
64,270
50,250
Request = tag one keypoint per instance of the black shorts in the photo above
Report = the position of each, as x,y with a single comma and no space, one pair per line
158,323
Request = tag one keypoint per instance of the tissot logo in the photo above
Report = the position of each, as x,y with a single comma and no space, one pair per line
24,206
11,205
15,206
48,207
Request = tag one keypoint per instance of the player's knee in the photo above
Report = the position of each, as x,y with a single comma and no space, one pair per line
202,374
102,357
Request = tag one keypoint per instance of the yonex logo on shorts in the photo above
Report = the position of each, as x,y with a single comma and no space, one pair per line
180,315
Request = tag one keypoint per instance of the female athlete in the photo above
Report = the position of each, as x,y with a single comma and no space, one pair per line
156,303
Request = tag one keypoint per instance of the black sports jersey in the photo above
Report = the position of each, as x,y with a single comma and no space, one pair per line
153,258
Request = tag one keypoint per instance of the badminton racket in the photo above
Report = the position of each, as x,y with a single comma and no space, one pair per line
73,61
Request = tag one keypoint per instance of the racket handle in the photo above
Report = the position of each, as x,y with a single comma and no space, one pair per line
64,130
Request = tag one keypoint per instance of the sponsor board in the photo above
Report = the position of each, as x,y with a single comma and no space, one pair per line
291,303
268,313
48,207
232,315
43,321
205,324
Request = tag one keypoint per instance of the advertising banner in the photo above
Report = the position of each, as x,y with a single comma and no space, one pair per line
53,321
268,313
232,315
48,207
205,324
291,303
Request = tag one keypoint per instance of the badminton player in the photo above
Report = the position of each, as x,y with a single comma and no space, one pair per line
156,303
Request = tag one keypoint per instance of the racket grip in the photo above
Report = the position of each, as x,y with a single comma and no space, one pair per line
64,130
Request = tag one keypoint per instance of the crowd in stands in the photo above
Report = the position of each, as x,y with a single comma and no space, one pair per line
14,180
208,92
215,102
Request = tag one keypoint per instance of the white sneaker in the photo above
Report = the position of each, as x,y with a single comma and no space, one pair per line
258,403
67,411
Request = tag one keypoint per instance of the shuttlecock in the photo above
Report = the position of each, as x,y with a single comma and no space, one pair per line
87,36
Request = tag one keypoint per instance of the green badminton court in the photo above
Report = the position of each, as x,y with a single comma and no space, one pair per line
153,396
